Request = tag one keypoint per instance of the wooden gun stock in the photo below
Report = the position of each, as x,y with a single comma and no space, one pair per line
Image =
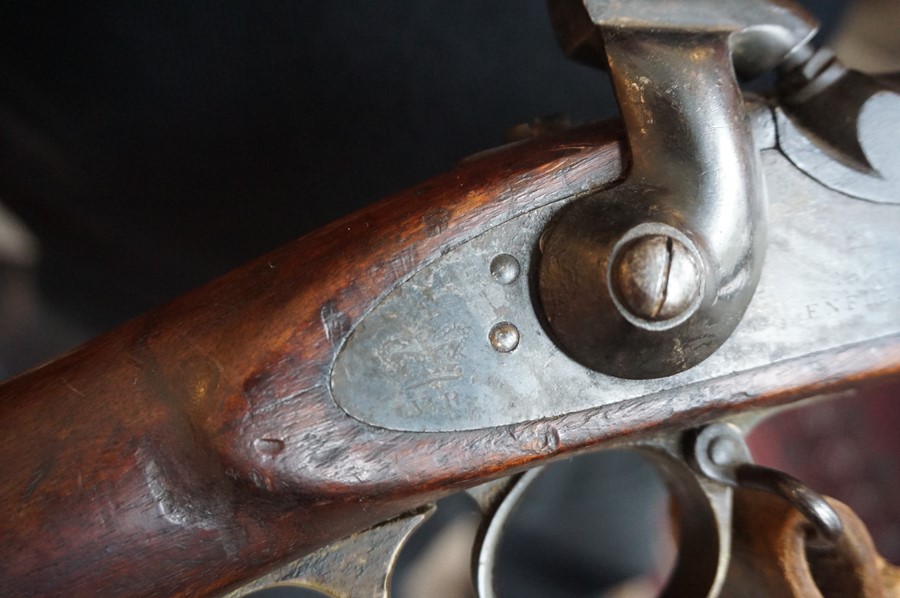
198,445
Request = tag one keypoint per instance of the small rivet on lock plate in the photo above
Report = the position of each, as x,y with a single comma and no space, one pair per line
505,268
504,337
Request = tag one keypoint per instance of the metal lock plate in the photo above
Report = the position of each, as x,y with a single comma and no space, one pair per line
422,359
645,289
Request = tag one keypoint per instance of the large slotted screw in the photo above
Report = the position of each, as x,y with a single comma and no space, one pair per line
656,278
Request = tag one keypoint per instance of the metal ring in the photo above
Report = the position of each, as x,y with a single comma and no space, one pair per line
810,503
721,454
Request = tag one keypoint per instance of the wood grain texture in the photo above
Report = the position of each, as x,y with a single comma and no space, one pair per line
198,445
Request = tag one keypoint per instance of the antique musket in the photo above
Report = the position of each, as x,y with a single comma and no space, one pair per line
655,284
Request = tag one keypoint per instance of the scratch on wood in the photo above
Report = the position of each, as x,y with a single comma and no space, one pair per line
134,360
71,387
35,480
435,221
334,321
403,263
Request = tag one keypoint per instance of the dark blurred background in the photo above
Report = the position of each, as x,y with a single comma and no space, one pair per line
151,146
147,147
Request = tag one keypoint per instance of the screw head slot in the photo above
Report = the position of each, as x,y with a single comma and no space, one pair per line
655,278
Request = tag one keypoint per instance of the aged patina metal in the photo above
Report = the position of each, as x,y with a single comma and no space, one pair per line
593,283
420,360
505,268
719,506
815,91
694,171
360,565
648,279
704,508
497,501
720,453
504,337
731,538
656,278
